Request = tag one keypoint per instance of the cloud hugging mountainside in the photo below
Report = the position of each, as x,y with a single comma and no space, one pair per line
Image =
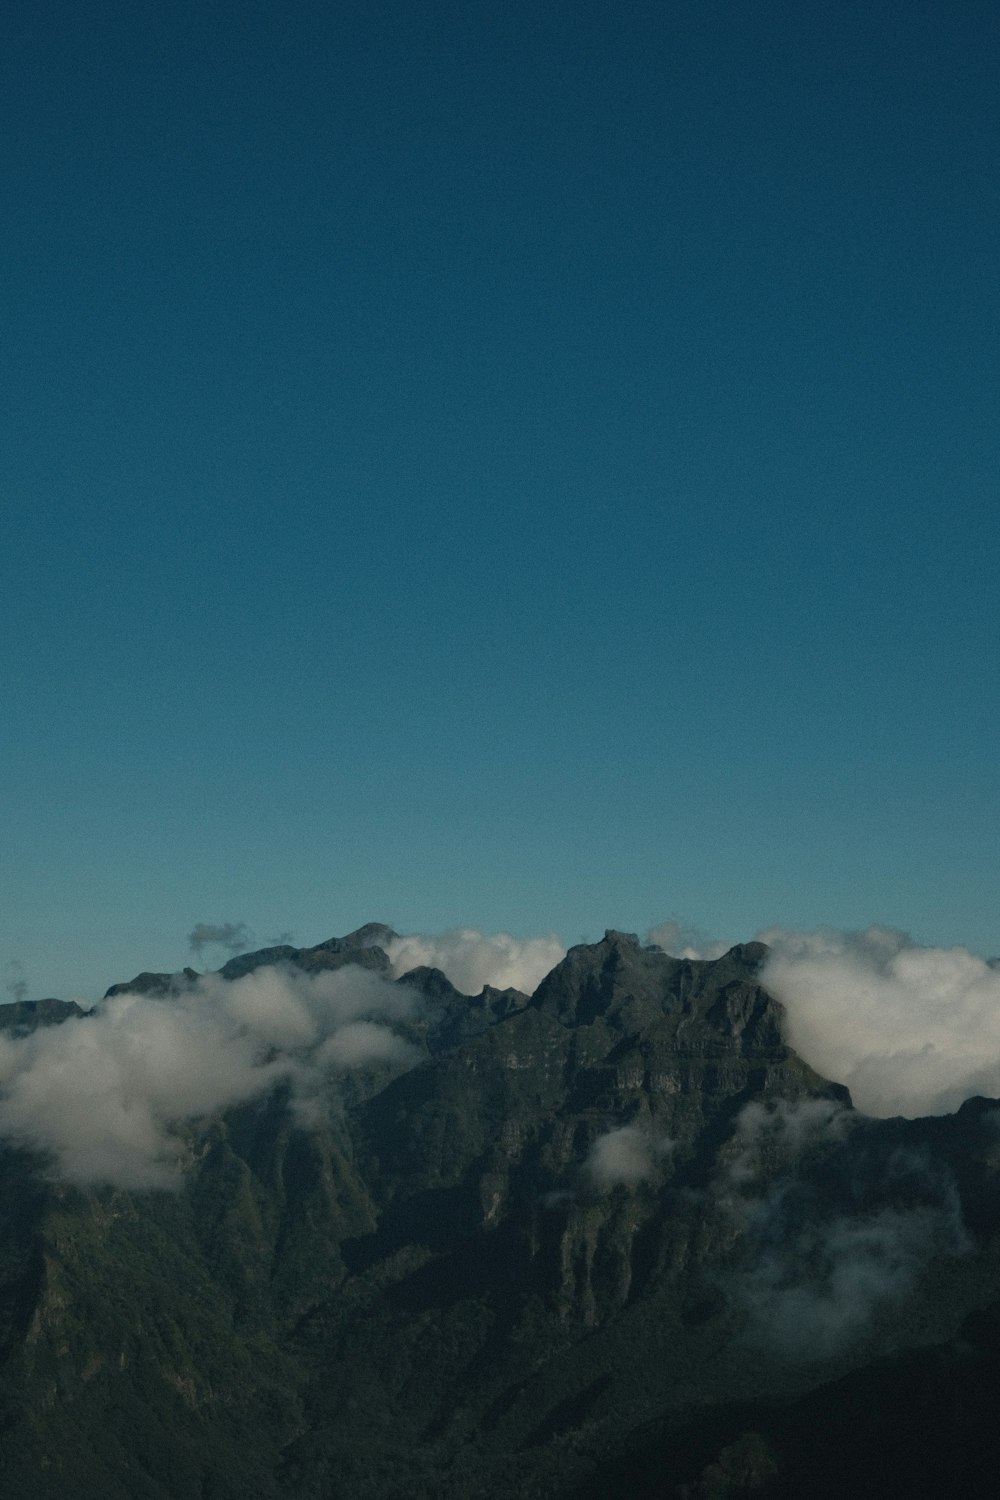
910,1029
321,1223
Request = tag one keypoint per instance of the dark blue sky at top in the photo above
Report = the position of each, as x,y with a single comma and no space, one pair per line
519,465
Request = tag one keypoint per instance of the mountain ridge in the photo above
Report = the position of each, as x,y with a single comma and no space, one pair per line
556,1220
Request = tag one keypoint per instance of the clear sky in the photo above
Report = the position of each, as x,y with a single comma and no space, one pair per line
524,465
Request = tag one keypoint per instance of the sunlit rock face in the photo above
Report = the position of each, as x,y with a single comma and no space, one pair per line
452,1245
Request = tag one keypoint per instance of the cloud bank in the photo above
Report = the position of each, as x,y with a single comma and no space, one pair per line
471,959
910,1030
106,1093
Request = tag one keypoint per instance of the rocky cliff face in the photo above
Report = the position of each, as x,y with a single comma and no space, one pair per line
560,1229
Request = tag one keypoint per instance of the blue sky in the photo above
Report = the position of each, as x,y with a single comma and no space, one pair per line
525,466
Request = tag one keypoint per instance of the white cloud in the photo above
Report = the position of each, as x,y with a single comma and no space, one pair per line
624,1157
361,1042
472,959
105,1093
911,1030
685,942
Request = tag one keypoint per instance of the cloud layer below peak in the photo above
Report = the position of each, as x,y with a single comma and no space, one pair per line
911,1030
106,1094
472,959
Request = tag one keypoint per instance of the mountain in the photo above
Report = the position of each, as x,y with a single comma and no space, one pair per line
613,1238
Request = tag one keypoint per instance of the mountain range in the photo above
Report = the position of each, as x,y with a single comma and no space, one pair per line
614,1238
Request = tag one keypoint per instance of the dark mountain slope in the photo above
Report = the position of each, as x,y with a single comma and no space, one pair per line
582,1221
21,1017
911,1426
361,948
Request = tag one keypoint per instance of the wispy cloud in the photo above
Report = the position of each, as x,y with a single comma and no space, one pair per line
15,982
233,937
828,1242
681,941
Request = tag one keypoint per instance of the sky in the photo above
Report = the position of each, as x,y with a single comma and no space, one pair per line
528,467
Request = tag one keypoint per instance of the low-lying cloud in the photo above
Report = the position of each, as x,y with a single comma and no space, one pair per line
784,1129
624,1157
472,959
911,1030
233,937
829,1239
821,1291
106,1094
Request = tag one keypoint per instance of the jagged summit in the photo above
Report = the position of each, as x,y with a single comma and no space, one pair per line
671,1014
750,954
371,935
633,987
617,977
624,939
365,947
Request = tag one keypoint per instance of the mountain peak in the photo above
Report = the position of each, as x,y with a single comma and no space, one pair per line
371,935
